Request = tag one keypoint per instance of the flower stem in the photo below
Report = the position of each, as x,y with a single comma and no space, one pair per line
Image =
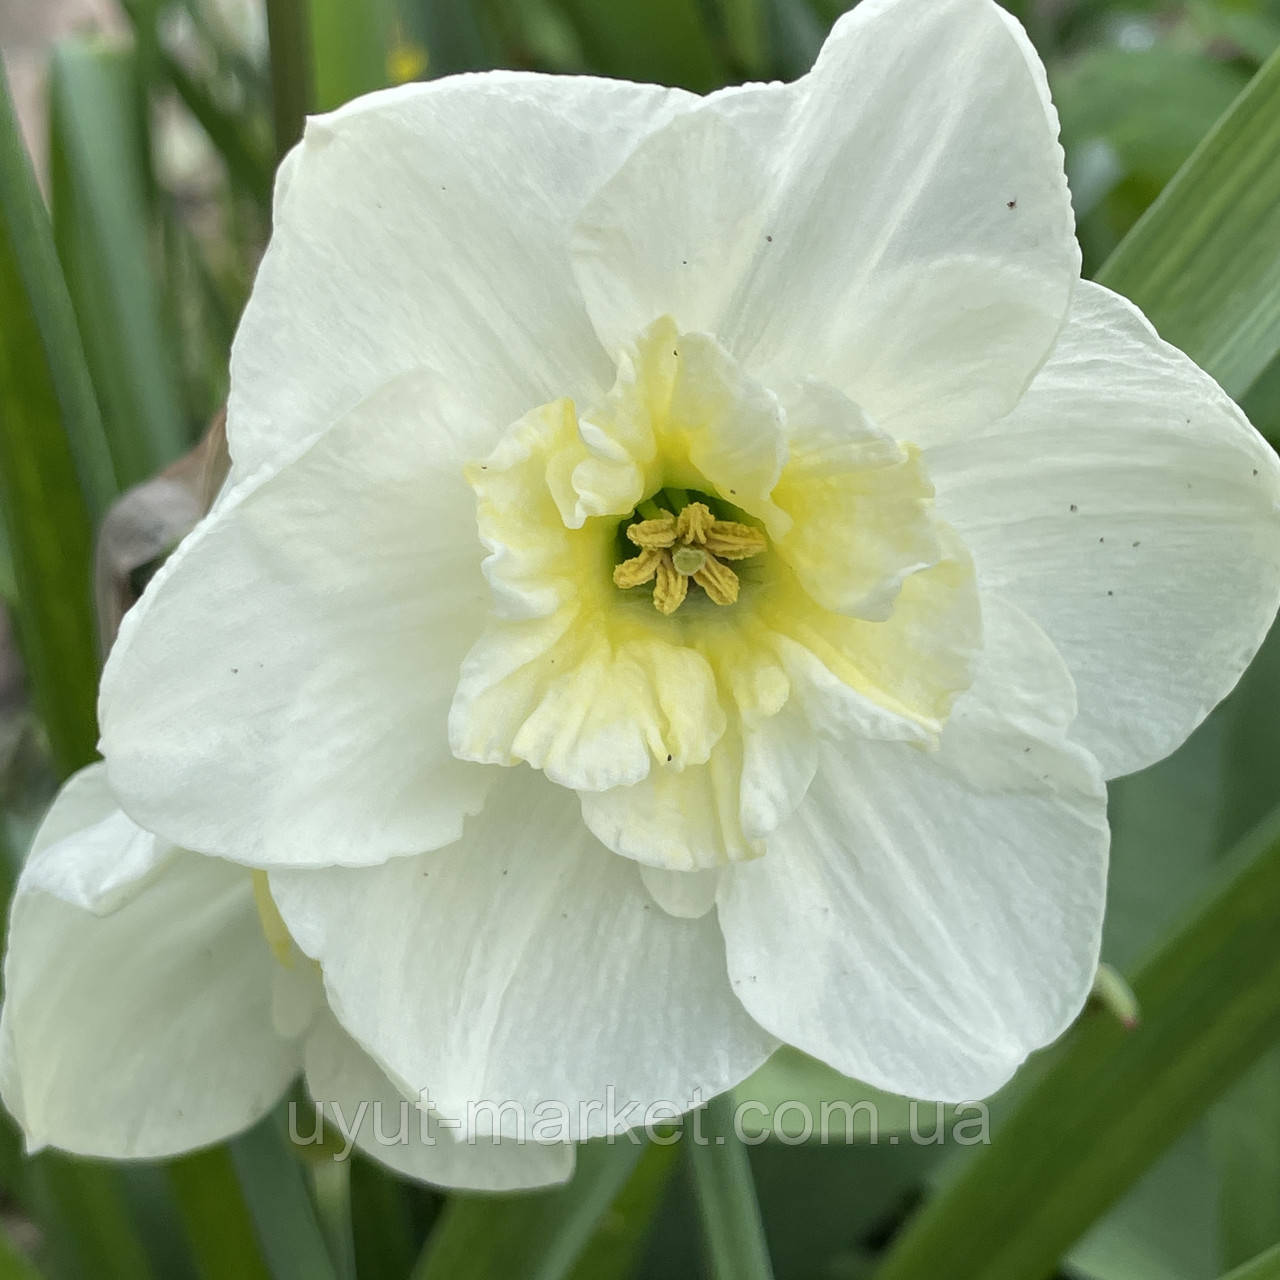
726,1192
291,76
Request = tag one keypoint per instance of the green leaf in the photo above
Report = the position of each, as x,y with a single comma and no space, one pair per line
331,1186
795,35
101,218
458,37
614,1250
1112,1100
349,48
14,1264
666,41
830,1105
275,1189
85,1211
216,1219
247,163
746,32
726,1192
52,461
1266,1266
536,1235
1245,1134
1165,1228
385,1240
1204,261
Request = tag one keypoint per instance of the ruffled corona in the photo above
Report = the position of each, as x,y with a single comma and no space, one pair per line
840,568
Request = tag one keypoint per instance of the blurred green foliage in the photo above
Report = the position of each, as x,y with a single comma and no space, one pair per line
119,306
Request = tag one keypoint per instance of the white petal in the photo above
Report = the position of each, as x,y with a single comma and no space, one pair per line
428,225
280,695
1127,506
687,894
147,1030
927,919
87,852
364,1107
896,223
683,820
524,963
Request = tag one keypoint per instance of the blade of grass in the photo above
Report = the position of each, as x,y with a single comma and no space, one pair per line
536,1236
284,1215
1204,260
101,222
247,164
88,1227
46,402
1112,1099
331,1187
1266,1266
615,1248
386,1242
217,1222
727,1206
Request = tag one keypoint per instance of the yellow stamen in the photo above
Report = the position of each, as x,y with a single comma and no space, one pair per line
653,533
671,587
718,581
691,545
273,926
695,522
638,570
729,540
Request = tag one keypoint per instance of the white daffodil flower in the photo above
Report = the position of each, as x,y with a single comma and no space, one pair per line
689,567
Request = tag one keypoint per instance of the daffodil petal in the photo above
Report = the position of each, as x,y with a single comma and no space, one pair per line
680,820
896,222
280,695
1130,509
147,1029
468,992
593,703
911,666
687,894
927,919
429,225
859,502
363,1107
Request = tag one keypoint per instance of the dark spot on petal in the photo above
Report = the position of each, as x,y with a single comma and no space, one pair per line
1102,539
1138,543
1110,593
669,753
769,239
1011,204
1074,507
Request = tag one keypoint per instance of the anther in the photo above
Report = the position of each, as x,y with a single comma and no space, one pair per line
693,545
